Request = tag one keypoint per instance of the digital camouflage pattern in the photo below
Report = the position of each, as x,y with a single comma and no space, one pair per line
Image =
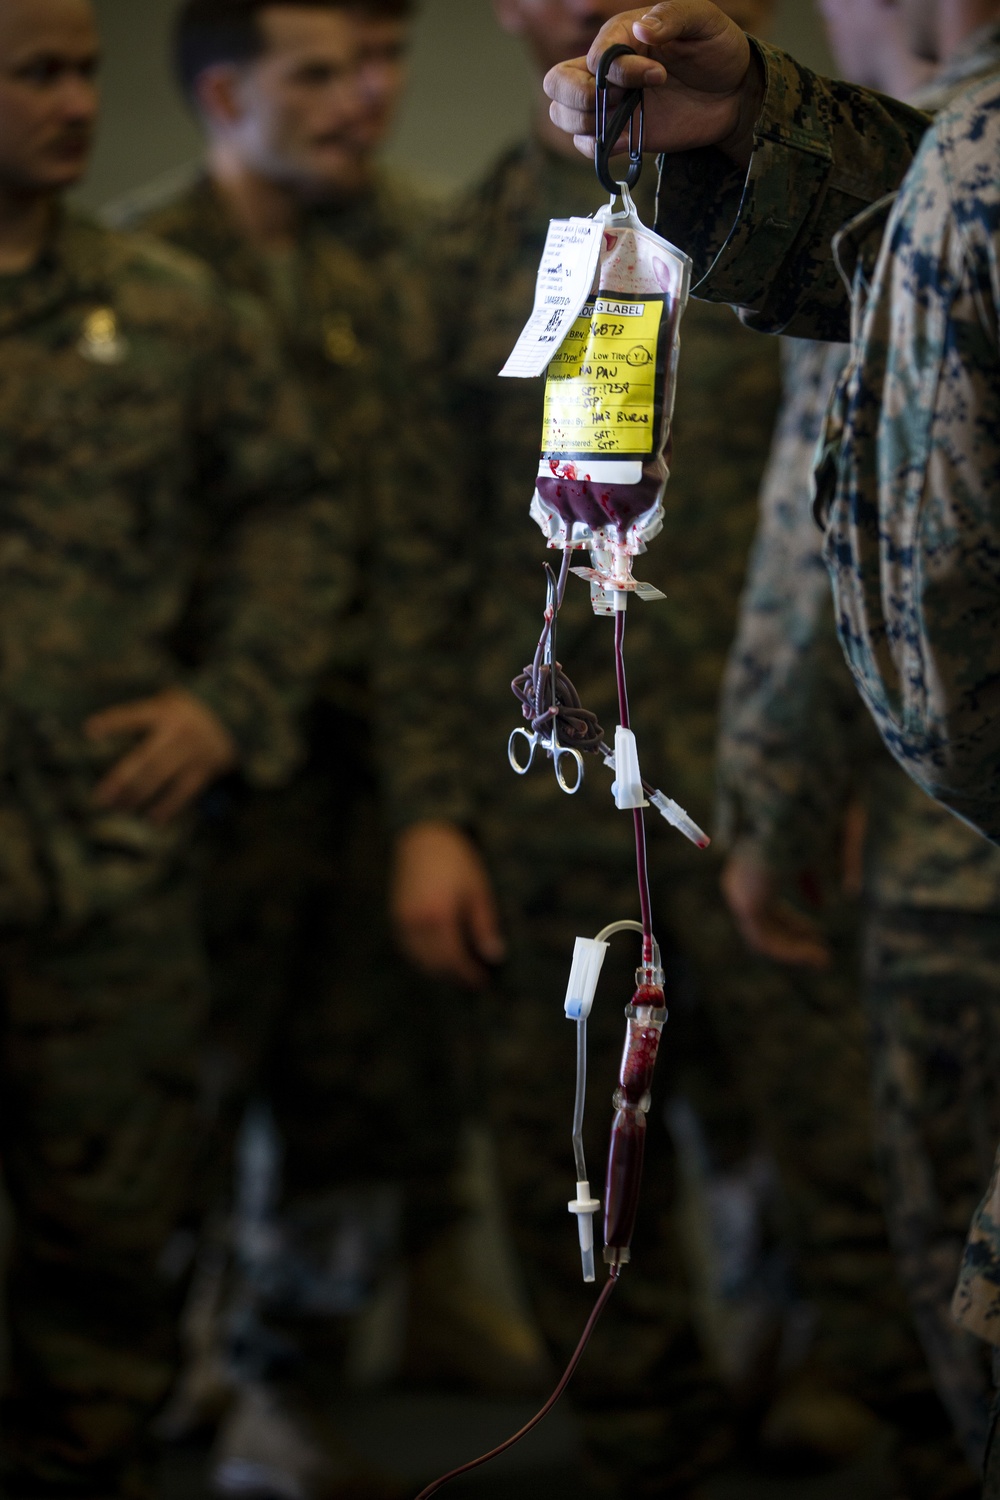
794,739
100,1123
906,473
931,980
295,904
795,742
977,1297
146,427
354,308
976,1306
566,866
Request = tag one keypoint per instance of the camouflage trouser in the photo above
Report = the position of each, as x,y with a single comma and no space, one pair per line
100,1031
932,982
799,1040
802,1047
991,1473
315,1014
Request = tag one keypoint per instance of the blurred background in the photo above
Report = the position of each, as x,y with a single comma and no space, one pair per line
470,93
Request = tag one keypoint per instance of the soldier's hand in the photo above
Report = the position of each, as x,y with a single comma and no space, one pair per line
767,923
703,87
184,747
442,905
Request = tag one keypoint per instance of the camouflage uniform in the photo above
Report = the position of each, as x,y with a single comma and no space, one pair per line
145,427
654,1417
296,904
977,1304
919,639
794,735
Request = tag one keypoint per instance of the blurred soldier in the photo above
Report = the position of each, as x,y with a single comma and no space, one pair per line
977,1306
147,426
296,99
653,1414
794,735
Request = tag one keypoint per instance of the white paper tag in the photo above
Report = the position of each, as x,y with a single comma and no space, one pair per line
565,279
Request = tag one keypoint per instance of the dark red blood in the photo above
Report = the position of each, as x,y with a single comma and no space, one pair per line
640,1060
621,1185
598,505
651,995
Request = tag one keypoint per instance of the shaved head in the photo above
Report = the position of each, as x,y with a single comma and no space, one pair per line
48,95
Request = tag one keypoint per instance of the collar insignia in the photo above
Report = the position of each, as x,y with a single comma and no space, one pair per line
341,342
101,340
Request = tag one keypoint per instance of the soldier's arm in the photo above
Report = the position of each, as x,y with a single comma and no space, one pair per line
279,573
764,160
441,896
793,732
789,711
914,556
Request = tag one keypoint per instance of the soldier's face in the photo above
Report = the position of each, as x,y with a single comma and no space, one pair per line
48,94
314,109
871,42
920,18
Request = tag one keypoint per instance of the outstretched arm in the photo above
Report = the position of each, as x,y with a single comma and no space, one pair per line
764,161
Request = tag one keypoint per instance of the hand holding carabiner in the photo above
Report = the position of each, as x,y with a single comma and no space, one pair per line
609,132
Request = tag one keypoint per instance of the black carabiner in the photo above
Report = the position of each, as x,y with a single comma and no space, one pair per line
608,133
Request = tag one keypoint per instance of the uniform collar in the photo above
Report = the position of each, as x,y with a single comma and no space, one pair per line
220,240
73,266
977,57
857,245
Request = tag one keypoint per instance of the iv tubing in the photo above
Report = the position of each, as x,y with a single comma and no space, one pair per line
641,859
553,606
581,1099
477,1463
615,927
580,1105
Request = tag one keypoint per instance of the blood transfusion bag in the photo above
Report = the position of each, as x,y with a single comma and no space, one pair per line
610,298
605,325
609,400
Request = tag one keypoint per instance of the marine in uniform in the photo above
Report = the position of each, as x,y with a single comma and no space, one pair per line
147,428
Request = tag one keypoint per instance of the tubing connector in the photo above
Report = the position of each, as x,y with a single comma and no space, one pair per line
585,1207
679,819
588,960
627,787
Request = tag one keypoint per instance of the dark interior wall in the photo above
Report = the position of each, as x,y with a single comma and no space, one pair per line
471,93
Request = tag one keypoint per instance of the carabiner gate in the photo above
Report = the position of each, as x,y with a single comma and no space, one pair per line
608,133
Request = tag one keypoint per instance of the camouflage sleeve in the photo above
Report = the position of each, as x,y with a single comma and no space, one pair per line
824,150
792,727
278,571
913,535
976,1304
420,670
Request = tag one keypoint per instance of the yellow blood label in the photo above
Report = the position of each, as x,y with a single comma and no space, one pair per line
600,397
